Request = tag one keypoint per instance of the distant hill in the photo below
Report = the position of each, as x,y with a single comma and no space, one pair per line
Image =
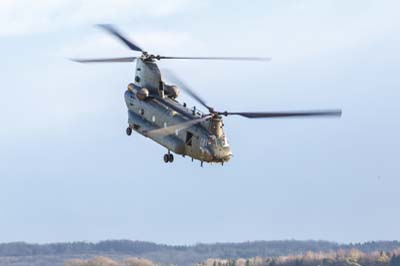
186,255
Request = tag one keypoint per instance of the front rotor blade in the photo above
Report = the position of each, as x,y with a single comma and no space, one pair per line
111,29
174,79
174,128
322,113
216,58
106,60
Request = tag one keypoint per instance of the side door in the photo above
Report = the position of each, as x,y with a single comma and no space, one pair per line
189,141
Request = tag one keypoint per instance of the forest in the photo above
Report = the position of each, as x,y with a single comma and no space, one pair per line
351,257
256,253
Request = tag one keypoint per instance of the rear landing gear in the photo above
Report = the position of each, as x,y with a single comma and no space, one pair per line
128,131
168,158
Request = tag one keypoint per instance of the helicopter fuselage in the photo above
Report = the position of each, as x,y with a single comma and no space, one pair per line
196,141
203,141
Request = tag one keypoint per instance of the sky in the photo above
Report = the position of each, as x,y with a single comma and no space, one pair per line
68,172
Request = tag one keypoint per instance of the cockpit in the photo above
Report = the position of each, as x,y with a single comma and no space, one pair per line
219,148
214,141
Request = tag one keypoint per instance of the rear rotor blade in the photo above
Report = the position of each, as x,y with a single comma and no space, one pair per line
216,58
174,128
174,79
321,113
106,60
111,29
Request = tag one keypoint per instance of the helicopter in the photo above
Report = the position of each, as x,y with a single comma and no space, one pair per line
155,112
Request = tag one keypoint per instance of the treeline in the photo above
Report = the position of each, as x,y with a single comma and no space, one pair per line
104,261
183,255
111,246
351,257
219,250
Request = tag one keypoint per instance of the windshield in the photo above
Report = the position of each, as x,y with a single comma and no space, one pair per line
223,141
213,141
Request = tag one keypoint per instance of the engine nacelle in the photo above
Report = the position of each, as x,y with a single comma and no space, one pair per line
171,91
142,94
131,87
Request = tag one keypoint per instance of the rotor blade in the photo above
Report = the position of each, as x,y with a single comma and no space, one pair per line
174,128
326,113
111,29
106,60
174,79
216,58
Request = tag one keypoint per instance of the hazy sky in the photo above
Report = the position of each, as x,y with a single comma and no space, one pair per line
68,171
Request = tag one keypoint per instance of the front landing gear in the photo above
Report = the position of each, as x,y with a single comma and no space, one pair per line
128,131
168,158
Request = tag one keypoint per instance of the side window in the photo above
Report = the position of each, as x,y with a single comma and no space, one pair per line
189,137
203,142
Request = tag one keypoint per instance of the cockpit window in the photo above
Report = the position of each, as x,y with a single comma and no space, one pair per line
212,140
224,142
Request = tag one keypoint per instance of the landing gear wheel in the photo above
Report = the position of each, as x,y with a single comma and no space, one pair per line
166,158
128,131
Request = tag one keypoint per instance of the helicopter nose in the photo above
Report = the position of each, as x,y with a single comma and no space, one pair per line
227,156
223,155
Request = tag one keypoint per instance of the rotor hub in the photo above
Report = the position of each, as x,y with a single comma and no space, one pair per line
149,57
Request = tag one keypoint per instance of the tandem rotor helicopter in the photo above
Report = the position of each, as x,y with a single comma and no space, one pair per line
154,112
